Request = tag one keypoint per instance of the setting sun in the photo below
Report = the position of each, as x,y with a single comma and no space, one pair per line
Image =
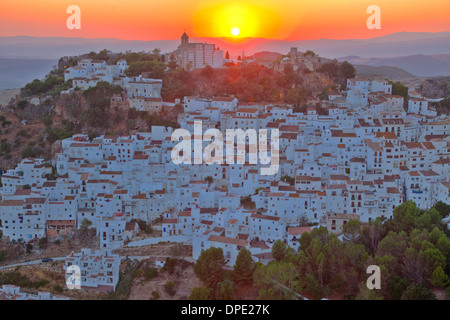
235,32
238,19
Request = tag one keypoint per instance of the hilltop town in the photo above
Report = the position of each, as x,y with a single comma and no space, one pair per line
350,149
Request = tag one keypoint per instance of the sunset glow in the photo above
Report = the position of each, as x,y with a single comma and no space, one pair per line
283,19
235,32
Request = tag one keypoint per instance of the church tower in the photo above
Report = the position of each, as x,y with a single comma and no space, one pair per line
184,39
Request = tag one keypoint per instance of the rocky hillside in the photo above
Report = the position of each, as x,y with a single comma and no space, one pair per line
29,130
435,88
34,120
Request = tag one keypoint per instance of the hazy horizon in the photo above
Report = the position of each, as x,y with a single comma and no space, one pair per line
24,58
231,39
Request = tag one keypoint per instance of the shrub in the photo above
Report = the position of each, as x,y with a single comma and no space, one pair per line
42,243
155,295
170,265
201,293
58,289
138,273
150,273
170,288
2,255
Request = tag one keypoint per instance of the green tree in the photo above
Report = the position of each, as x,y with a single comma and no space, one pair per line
102,55
209,179
296,97
395,245
331,69
177,83
201,293
417,292
154,68
439,278
442,208
155,295
404,217
170,265
172,62
352,229
399,89
150,273
314,288
247,202
309,53
208,72
432,259
277,281
42,243
443,245
347,70
279,249
444,106
170,287
226,290
429,220
396,286
372,234
258,189
244,267
2,255
209,266
85,224
22,104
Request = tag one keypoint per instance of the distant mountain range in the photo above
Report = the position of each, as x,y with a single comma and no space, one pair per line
418,65
418,53
56,47
391,73
396,44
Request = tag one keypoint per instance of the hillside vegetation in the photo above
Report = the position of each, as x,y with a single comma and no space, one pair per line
57,116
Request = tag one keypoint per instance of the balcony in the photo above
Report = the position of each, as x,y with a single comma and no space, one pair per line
32,213
369,204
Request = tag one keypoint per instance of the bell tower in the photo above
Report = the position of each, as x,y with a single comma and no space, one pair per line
184,39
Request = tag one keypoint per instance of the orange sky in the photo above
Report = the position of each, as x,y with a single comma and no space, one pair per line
274,19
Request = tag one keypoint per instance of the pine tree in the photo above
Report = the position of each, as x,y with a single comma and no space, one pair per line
244,267
439,278
227,56
279,250
172,62
209,266
200,293
226,290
